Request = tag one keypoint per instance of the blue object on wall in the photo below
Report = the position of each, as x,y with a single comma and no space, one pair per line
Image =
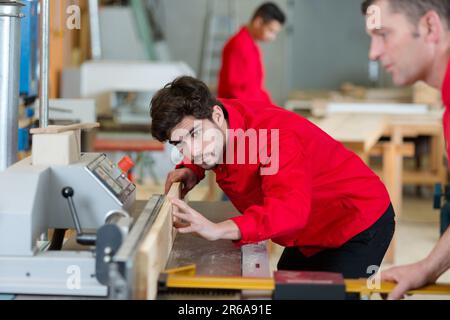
23,139
29,49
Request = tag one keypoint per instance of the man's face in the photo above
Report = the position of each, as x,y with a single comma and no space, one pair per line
266,32
200,141
398,45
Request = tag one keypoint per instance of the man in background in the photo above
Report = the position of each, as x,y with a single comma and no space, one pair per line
412,41
242,72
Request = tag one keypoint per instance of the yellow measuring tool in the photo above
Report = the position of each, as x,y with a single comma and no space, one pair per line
185,278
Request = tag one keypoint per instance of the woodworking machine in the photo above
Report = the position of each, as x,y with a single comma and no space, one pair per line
91,196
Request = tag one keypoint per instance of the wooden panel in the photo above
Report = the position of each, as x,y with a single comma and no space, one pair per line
154,252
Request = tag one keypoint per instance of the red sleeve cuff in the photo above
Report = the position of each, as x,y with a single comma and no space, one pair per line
248,228
199,172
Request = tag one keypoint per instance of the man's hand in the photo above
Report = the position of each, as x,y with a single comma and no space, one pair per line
195,222
407,277
184,175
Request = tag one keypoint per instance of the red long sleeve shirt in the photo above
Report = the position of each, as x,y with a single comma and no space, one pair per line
446,100
321,196
242,73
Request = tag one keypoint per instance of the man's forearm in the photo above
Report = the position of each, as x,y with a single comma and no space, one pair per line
229,231
439,259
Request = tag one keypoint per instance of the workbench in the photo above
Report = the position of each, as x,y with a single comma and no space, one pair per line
221,258
218,258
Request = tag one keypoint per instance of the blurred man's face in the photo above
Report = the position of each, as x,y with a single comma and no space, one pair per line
399,45
200,141
266,32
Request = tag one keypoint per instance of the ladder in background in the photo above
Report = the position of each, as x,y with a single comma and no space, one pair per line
221,22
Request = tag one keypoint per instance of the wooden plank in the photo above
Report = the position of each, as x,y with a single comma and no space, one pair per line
406,149
155,249
423,178
359,132
61,129
377,108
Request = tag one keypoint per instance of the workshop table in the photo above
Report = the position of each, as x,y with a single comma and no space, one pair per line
219,258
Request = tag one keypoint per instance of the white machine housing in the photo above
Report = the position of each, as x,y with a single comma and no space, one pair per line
31,202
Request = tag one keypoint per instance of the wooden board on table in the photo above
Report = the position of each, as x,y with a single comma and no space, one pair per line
61,129
376,108
415,125
155,249
361,132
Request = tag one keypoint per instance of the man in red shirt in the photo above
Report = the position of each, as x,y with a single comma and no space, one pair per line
291,181
242,72
411,38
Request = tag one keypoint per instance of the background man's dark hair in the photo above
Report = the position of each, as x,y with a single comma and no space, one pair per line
416,9
185,96
269,11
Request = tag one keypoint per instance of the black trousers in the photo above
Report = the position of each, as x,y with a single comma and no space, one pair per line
353,259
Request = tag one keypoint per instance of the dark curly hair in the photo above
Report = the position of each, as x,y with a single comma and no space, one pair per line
185,96
269,12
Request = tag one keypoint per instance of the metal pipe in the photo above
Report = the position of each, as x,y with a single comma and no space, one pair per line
9,81
94,20
44,68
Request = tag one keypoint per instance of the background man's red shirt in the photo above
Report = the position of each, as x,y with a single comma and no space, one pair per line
242,72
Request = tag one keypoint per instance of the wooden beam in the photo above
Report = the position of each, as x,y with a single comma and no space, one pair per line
422,178
155,249
61,129
406,149
392,178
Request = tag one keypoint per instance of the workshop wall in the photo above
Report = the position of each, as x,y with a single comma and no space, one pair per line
323,45
330,45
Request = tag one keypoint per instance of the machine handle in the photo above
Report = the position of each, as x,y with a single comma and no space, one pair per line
82,238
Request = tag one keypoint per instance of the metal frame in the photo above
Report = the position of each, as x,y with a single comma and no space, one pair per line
10,14
122,271
70,273
44,68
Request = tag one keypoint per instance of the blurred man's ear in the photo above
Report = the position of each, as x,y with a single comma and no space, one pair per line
431,26
258,22
218,115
